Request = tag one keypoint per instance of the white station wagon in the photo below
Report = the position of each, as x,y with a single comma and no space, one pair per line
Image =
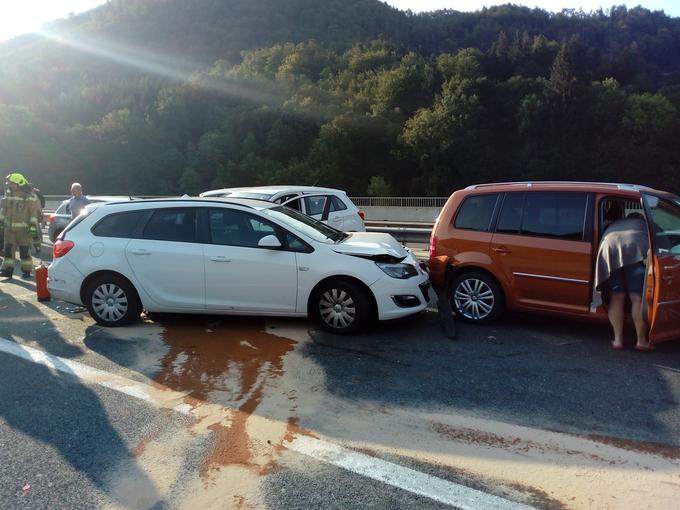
332,206
231,256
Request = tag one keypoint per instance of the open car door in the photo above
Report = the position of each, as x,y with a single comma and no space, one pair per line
663,295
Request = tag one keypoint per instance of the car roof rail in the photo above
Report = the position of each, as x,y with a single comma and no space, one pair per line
529,184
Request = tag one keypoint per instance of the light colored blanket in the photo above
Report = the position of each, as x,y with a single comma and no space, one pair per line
625,242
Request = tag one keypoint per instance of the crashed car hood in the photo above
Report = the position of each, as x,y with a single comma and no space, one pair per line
370,244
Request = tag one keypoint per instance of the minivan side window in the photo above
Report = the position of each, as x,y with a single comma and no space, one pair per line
172,225
555,214
120,224
510,217
476,211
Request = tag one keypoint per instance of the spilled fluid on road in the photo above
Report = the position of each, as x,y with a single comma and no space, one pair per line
235,359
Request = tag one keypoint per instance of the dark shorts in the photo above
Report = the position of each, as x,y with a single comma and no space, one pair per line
630,279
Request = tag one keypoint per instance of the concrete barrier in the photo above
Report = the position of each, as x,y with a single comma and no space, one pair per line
405,214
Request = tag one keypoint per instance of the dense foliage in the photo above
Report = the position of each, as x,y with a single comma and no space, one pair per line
174,96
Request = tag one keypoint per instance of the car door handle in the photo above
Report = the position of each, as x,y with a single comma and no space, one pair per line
502,251
141,252
220,258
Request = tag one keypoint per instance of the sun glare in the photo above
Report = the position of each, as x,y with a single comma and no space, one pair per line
22,16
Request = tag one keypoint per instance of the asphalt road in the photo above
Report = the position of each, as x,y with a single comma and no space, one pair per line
214,412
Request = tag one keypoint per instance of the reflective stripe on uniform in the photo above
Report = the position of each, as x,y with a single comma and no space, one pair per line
7,263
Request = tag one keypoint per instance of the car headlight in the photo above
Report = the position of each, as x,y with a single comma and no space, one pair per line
401,271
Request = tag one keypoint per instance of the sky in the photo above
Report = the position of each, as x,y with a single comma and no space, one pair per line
21,16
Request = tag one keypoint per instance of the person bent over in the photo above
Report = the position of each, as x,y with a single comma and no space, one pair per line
19,211
621,269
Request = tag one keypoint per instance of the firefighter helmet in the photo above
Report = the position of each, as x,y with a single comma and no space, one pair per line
17,179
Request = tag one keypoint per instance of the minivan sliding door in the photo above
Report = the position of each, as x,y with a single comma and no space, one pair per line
543,245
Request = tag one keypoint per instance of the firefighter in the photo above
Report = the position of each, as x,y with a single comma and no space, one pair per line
19,217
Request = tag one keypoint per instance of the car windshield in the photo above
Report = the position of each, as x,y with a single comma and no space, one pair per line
304,224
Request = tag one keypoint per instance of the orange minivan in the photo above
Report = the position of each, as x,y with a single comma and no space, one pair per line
532,246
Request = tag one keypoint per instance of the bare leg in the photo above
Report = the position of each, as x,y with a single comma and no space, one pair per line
639,320
616,317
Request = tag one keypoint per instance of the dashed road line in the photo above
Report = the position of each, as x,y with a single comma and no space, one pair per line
415,482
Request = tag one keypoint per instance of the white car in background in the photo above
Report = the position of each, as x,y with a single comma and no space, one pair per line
231,256
332,206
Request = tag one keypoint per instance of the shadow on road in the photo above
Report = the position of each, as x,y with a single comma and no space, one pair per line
533,371
64,417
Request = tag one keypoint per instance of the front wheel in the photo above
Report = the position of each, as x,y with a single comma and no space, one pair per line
112,301
476,298
341,307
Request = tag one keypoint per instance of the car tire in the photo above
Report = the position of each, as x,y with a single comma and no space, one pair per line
112,301
476,297
341,307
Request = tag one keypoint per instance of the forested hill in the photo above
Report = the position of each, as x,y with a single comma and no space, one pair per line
173,96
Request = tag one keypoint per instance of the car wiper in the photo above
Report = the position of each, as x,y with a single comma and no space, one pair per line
338,236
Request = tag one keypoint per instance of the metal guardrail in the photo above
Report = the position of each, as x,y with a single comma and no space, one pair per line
399,201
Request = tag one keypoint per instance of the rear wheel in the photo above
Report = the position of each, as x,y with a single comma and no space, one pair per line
476,297
112,301
341,307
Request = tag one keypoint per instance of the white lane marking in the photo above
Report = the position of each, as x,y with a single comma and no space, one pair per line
410,480
89,374
402,477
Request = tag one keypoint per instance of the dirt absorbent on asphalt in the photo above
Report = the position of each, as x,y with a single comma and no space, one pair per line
249,391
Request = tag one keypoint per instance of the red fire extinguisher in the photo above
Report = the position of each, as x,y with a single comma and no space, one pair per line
41,283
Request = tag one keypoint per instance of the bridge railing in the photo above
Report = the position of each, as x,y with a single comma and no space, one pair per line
377,209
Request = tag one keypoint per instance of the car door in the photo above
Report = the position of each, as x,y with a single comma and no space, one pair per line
240,275
168,261
543,246
320,207
664,292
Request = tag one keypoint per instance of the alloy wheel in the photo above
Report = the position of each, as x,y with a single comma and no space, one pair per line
474,299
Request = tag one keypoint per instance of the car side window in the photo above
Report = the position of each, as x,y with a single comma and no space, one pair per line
510,217
293,204
476,211
120,224
230,227
555,214
172,225
337,204
666,222
315,205
294,243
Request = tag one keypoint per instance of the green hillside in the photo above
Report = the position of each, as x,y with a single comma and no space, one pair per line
174,96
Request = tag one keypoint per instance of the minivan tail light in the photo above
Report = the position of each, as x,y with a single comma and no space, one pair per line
51,217
433,246
362,215
61,248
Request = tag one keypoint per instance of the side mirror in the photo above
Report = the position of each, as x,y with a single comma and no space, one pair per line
270,241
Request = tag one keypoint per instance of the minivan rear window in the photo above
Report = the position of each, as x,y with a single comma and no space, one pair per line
476,211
